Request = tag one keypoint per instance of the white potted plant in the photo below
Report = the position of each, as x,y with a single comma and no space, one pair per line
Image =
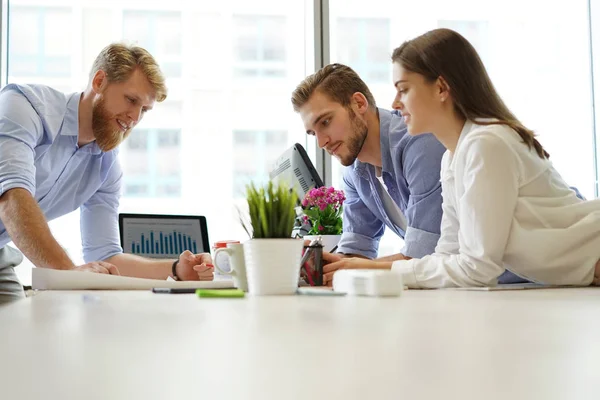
272,256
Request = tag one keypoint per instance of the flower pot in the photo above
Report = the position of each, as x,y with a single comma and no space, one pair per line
329,241
273,265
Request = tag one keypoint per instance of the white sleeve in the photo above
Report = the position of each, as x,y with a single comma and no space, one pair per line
448,243
490,184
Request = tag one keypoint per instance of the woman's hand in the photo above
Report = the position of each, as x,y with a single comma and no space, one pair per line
351,263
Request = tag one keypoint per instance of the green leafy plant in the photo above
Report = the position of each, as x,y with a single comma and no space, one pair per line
271,211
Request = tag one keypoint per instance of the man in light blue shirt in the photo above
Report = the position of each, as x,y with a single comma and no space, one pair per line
58,153
392,179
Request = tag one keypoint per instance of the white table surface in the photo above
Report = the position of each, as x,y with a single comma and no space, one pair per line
536,344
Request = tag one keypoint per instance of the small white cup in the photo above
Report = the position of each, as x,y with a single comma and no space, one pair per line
235,252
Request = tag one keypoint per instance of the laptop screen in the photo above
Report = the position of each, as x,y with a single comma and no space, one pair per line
163,236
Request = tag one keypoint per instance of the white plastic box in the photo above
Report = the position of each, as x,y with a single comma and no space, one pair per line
367,282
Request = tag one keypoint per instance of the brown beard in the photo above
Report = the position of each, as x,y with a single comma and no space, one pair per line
107,137
356,140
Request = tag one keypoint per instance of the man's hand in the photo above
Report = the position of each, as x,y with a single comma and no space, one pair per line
351,263
99,267
195,267
329,258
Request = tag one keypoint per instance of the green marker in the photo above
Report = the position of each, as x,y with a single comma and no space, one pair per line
228,293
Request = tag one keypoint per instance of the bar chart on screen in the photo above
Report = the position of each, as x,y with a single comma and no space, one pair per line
163,243
162,238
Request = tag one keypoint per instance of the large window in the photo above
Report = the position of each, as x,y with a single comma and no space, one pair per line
151,163
231,67
538,59
364,43
40,41
246,167
258,49
159,32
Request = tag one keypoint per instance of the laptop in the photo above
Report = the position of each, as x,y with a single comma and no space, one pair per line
163,236
295,168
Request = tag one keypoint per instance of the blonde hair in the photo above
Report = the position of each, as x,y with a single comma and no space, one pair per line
337,81
444,52
119,60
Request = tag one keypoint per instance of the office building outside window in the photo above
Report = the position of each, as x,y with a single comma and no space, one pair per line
230,66
538,59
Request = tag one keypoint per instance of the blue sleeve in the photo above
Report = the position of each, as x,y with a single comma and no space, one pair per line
577,193
362,230
100,219
421,165
21,131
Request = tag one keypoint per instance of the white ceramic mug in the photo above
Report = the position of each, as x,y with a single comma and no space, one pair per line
235,252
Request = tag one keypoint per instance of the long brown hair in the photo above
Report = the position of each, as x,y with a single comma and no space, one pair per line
445,53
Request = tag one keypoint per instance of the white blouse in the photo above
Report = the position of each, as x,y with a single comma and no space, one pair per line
506,208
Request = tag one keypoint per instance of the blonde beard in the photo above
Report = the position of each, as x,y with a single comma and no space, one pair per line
110,142
107,138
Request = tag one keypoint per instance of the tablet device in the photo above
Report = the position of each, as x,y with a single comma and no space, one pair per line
163,236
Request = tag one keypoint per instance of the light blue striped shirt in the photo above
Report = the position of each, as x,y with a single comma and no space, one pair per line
39,152
411,173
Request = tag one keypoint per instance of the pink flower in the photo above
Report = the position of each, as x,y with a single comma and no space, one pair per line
325,205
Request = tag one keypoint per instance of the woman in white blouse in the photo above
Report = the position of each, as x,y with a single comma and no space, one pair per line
505,206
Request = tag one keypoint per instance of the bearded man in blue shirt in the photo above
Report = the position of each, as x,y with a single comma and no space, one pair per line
58,153
392,179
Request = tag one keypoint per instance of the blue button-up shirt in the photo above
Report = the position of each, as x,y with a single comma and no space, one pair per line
38,152
411,172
